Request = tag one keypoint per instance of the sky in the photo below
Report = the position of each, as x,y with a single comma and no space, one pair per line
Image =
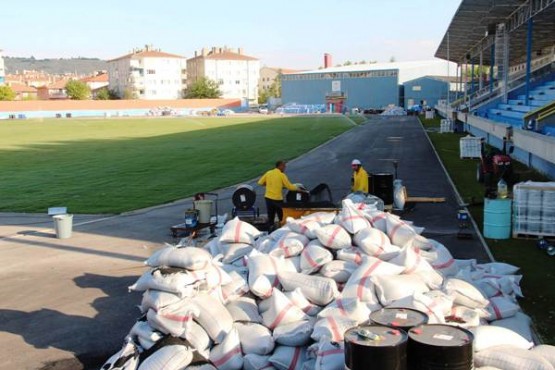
285,34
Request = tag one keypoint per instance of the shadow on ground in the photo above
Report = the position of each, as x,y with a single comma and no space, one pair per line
91,339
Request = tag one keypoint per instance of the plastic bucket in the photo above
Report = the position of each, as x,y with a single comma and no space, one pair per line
497,218
63,224
205,209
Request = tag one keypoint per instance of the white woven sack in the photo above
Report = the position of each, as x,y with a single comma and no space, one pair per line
289,245
546,352
173,357
288,358
333,237
174,319
199,339
488,336
501,308
262,274
307,227
236,288
244,309
264,244
392,288
257,362
255,338
511,358
227,355
213,317
350,308
297,297
411,259
234,251
465,293
378,220
310,364
375,243
351,254
314,256
498,268
520,323
294,334
423,304
145,334
442,300
324,218
333,328
444,263
329,355
351,219
463,316
317,289
400,233
237,231
279,310
130,352
278,233
213,246
156,299
172,283
190,258
201,365
338,270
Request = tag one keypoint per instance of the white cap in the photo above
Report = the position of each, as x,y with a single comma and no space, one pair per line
355,162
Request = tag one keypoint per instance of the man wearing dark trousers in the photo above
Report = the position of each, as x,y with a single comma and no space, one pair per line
275,180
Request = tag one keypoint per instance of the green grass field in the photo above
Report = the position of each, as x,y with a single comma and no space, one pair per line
536,266
116,165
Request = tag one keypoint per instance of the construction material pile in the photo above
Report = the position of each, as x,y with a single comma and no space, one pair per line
392,110
246,300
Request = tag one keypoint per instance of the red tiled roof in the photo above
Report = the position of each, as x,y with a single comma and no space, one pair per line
226,55
102,77
58,85
147,54
20,88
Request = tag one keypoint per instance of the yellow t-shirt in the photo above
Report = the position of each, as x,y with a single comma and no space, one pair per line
275,181
360,182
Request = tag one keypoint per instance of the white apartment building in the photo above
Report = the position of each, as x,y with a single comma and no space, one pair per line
236,73
148,74
2,70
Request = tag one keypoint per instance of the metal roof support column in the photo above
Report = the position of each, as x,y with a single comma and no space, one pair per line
459,78
530,32
465,84
506,52
472,78
492,67
480,69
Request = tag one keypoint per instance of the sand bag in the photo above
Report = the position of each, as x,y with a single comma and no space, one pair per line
244,309
318,290
294,334
351,254
334,237
156,300
174,357
511,358
442,300
497,268
323,218
190,258
340,271
329,355
423,304
333,328
464,317
392,288
351,219
378,220
144,334
279,310
227,355
236,288
172,283
174,320
546,352
520,323
263,274
487,336
255,338
307,227
289,245
350,308
264,244
501,308
375,243
400,233
444,263
234,251
237,231
313,257
213,317
465,293
288,358
257,362
298,299
125,359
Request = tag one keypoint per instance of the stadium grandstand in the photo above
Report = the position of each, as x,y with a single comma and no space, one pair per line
505,55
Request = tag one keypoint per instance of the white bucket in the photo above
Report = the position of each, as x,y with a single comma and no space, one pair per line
205,210
63,225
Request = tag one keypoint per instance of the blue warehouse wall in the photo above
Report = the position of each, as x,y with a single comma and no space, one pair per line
430,90
372,92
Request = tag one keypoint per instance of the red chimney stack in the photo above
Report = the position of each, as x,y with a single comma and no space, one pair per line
327,60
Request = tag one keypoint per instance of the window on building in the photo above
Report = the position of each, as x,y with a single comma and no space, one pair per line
150,72
220,81
417,88
153,92
141,92
183,71
237,82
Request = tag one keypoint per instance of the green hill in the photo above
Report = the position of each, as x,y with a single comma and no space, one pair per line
55,66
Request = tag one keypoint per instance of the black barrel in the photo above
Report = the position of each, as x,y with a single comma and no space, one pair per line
244,197
375,348
400,318
294,197
440,347
383,187
370,183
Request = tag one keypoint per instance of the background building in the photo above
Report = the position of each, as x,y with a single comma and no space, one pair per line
148,74
236,73
363,85
269,74
428,90
2,70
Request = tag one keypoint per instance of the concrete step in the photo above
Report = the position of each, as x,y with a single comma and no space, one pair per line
506,113
533,103
544,98
517,123
516,107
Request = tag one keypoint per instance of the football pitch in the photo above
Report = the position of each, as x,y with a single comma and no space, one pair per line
117,165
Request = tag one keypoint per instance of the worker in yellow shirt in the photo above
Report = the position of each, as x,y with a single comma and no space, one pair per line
275,180
360,177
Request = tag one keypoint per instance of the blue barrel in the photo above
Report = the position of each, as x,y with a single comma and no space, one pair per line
497,218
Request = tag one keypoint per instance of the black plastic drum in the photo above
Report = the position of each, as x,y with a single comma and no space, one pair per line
294,197
383,187
400,318
440,347
244,197
375,348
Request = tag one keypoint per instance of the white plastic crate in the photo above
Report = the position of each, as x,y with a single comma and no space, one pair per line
445,125
470,147
534,208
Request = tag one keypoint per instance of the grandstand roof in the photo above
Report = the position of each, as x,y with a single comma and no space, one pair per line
472,19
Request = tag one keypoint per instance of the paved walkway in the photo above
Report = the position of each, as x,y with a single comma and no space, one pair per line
65,303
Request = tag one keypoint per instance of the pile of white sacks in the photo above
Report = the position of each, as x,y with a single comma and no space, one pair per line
247,300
